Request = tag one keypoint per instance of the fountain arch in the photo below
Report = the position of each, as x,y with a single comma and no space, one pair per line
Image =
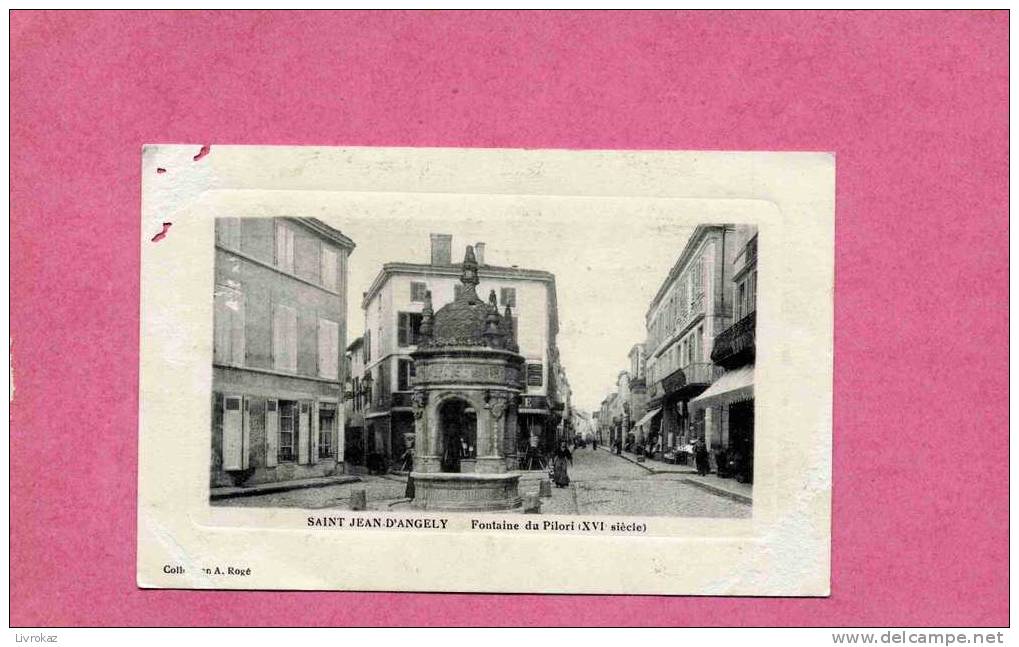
468,369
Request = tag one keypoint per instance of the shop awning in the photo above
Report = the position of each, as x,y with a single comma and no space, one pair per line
733,386
648,416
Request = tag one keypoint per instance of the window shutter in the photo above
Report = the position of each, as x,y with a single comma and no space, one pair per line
328,348
535,374
406,374
233,433
281,245
290,249
278,337
753,283
284,247
237,328
272,432
222,323
401,332
284,338
303,427
292,339
245,434
313,436
328,267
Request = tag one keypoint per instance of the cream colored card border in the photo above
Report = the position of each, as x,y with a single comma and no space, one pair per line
784,549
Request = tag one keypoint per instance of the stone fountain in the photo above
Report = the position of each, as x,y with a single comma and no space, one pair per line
469,376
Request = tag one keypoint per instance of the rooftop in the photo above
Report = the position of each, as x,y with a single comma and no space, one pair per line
329,232
454,270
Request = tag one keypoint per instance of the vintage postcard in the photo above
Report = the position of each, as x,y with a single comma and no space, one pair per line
486,370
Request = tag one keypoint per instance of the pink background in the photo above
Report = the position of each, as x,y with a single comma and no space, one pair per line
914,105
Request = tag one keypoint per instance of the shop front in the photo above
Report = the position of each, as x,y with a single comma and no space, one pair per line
681,424
729,402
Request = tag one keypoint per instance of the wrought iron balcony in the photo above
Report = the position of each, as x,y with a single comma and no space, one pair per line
691,379
736,344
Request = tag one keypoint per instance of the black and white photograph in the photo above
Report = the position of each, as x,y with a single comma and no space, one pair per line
494,318
510,364
406,355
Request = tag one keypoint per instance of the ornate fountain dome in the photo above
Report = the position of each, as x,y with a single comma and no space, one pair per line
467,386
467,320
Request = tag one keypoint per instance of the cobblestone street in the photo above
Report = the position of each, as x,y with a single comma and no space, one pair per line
600,483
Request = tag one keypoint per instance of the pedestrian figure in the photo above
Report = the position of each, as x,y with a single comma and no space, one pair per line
407,460
594,444
561,457
700,453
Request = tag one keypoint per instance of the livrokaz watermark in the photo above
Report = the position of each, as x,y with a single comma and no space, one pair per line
903,637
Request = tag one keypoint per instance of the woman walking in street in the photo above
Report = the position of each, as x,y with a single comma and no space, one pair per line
700,453
559,461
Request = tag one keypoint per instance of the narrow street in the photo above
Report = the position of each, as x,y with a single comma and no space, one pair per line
604,484
600,484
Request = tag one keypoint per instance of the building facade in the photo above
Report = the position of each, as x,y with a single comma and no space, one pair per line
694,304
610,419
278,363
355,401
731,398
644,425
393,307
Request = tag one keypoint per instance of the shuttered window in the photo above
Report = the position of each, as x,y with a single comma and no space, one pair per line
405,377
272,433
284,247
328,267
228,341
409,327
753,287
535,374
697,279
233,433
284,338
328,349
418,291
327,430
288,431
683,299
304,435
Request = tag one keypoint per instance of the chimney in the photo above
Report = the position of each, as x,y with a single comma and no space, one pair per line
479,253
442,245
